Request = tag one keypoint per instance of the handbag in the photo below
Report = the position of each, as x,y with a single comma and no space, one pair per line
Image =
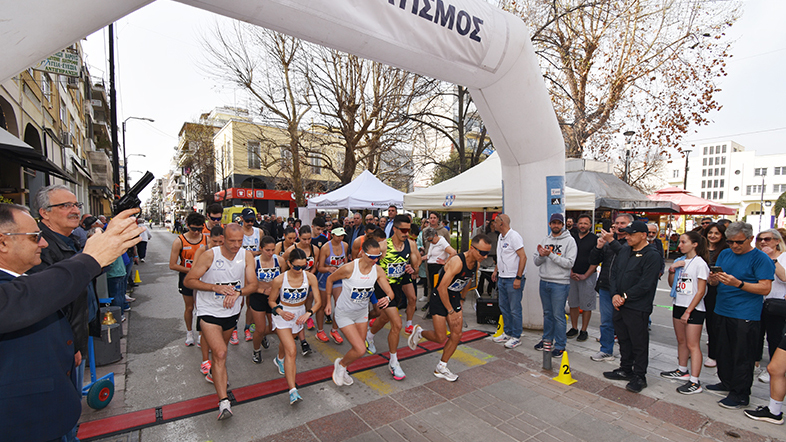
775,306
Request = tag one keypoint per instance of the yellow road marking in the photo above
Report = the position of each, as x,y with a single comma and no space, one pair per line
373,381
466,358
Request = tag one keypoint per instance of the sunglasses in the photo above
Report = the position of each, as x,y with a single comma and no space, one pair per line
35,236
374,257
215,219
248,220
404,231
299,268
482,252
731,241
705,223
195,229
67,206
769,238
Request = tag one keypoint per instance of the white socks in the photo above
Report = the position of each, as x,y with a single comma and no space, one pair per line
409,323
441,364
393,358
683,369
694,379
775,407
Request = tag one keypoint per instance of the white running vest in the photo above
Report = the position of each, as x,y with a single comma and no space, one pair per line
222,271
294,295
356,290
251,242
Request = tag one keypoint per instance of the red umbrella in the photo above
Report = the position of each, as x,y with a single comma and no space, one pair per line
691,204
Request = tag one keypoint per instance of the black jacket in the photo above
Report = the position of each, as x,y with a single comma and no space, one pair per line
605,258
635,273
77,312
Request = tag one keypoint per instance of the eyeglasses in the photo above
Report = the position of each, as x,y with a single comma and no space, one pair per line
767,238
35,236
731,241
215,219
652,233
482,252
299,268
195,229
404,231
374,257
704,223
67,206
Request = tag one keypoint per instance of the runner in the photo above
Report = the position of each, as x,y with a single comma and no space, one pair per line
445,304
181,258
213,218
220,277
267,268
251,241
290,236
330,259
304,244
351,313
358,243
216,239
289,316
399,262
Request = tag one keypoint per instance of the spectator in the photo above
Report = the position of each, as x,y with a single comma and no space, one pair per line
438,253
716,242
724,222
555,257
770,242
388,226
744,278
705,222
489,262
583,277
81,230
632,284
652,238
509,274
144,237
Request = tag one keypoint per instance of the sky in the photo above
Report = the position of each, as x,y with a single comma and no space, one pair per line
160,76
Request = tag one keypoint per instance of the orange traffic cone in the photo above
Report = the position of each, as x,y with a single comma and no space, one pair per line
564,375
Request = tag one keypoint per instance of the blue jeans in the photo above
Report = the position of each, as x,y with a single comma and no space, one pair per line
606,322
553,297
117,291
510,306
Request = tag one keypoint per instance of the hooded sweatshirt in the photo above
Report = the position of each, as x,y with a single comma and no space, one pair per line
556,267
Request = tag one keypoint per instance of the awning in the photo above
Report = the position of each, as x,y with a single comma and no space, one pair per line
15,150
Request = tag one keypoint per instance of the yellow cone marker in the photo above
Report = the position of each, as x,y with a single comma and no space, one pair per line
136,278
500,328
564,376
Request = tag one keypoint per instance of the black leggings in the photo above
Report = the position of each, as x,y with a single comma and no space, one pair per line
486,276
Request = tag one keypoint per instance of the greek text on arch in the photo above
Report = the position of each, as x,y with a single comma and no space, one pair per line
444,16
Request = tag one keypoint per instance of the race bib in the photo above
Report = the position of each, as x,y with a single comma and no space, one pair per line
361,295
685,285
189,263
267,275
458,285
251,247
219,296
309,262
336,261
396,270
294,295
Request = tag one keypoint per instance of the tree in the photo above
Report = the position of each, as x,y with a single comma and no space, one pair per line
198,159
780,204
650,65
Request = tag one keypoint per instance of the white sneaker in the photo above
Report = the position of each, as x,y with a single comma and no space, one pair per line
189,339
370,347
600,356
764,376
423,298
224,410
445,374
414,337
348,380
338,375
501,339
513,343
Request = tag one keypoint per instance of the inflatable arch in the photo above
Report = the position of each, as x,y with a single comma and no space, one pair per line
467,42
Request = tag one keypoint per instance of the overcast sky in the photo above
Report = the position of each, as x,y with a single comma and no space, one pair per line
158,76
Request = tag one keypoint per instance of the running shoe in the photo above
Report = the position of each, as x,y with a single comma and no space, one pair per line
409,329
199,341
209,376
205,367
556,353
336,337
130,299
764,377
265,342
370,347
501,339
224,410
322,336
233,340
279,364
764,414
189,339
328,319
294,397
249,336
690,388
338,375
414,337
305,348
371,322
710,363
717,387
600,356
396,371
732,403
572,333
423,298
675,374
513,343
539,346
310,324
445,374
256,356
583,335
348,380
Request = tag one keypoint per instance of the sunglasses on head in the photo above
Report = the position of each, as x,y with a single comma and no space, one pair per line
731,241
299,268
482,252
374,257
195,229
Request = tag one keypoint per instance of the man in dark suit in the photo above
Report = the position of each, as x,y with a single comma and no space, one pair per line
37,367
356,230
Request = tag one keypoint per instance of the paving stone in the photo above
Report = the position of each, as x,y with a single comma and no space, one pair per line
641,419
481,432
625,397
501,411
505,368
450,390
478,398
570,402
480,377
528,423
725,432
560,434
417,399
338,426
297,434
486,346
588,383
511,393
512,431
381,412
389,434
601,415
581,396
631,427
446,418
544,437
549,411
407,432
680,416
584,426
370,436
675,433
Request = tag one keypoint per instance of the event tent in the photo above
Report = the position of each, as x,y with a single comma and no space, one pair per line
364,192
478,189
691,204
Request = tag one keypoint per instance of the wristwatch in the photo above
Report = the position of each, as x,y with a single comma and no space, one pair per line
518,277
276,308
742,283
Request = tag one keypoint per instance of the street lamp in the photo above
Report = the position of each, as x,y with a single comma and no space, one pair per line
125,158
628,135
685,181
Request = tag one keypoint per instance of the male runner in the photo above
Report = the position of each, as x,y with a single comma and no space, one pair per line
331,256
220,277
252,237
446,303
351,313
213,218
399,262
216,239
181,258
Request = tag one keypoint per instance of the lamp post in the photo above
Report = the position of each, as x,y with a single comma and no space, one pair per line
685,180
125,158
628,135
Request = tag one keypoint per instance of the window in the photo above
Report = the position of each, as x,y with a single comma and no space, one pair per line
778,188
675,173
717,171
715,183
712,150
703,172
723,160
46,85
760,171
703,195
723,183
724,148
720,195
286,158
723,171
753,190
705,150
704,162
703,183
779,171
316,165
254,155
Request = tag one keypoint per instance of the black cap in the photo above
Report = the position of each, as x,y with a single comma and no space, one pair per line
636,226
248,213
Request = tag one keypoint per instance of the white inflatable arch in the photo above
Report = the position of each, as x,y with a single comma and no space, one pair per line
467,42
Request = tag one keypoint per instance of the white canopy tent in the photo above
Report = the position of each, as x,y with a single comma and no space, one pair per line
479,189
364,192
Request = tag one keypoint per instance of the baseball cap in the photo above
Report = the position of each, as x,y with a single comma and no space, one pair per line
557,217
338,231
636,227
248,213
